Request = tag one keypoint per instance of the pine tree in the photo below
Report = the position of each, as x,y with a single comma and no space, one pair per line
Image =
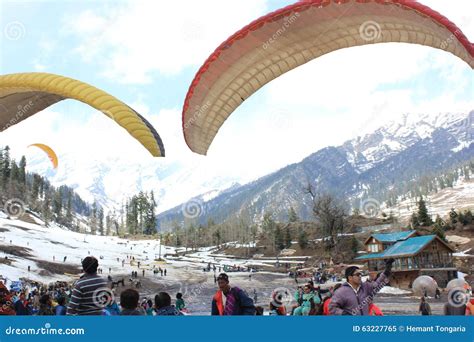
35,190
439,231
354,246
93,219
423,217
268,228
415,223
287,237
217,237
69,216
292,216
57,205
108,224
279,242
440,222
150,217
46,207
22,171
453,217
468,219
302,239
100,220
12,187
5,171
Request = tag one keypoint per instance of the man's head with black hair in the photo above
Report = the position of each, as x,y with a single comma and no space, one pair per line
162,300
223,282
353,275
45,299
129,299
90,265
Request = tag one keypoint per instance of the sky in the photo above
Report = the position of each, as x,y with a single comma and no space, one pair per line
146,53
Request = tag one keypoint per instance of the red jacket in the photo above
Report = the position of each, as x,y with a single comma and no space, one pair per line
374,310
326,307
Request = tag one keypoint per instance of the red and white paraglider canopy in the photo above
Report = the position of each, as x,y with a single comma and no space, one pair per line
292,36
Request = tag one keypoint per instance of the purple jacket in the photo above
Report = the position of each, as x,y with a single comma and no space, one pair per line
345,301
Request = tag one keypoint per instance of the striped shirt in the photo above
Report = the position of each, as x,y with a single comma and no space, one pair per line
85,299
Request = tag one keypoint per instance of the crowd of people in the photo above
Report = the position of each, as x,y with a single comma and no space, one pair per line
92,295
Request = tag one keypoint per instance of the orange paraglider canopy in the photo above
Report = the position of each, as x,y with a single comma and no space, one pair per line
50,152
292,36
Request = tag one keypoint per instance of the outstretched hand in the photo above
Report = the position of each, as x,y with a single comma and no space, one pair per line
388,266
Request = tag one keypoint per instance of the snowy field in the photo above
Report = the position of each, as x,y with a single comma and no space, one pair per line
184,273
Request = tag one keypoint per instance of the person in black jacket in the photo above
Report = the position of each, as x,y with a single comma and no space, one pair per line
22,306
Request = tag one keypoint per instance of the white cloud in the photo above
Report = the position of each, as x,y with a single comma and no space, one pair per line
132,40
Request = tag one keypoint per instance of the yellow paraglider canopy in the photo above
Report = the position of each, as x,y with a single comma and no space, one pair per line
50,152
25,94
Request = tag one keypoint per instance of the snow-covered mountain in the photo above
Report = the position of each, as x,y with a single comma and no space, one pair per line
110,180
380,165
365,152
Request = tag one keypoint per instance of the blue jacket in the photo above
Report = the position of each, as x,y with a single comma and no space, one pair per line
168,311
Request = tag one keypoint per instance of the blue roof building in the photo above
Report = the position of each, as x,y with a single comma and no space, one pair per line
414,255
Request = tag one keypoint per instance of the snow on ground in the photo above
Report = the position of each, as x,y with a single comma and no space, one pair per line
393,290
185,273
463,253
460,197
54,243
